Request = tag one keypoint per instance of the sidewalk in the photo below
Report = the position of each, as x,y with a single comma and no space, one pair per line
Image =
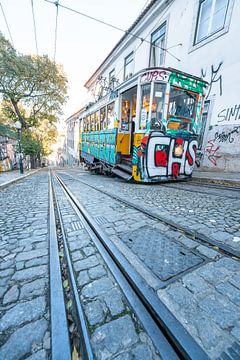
9,177
217,176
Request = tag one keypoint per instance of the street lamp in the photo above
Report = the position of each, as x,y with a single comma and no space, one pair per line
18,126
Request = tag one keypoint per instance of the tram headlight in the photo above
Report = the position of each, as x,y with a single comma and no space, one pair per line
178,150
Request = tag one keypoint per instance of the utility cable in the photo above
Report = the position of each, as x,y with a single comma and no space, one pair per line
56,26
34,25
127,32
5,18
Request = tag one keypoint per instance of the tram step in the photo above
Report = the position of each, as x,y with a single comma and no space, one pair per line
125,167
122,174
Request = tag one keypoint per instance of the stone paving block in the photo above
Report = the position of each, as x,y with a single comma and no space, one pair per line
47,340
97,272
83,278
96,312
84,264
224,314
39,355
21,341
77,255
195,283
236,331
208,252
37,261
235,280
6,272
89,250
11,295
113,337
114,301
230,291
97,288
34,288
23,312
30,273
28,255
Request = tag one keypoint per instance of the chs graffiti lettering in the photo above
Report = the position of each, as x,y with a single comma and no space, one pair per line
227,136
166,156
214,78
229,114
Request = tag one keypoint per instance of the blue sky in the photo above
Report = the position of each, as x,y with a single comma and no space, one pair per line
82,44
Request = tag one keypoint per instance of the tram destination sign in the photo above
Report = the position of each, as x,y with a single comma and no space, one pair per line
155,75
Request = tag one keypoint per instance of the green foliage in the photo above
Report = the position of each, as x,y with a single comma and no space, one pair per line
32,90
33,87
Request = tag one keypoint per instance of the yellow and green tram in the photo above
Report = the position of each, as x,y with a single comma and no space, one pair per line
147,130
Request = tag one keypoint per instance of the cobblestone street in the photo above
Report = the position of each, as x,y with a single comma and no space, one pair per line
24,284
196,281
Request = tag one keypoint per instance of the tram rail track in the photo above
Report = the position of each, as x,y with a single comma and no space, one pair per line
193,234
169,337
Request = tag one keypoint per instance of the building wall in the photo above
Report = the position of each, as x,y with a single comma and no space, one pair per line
217,60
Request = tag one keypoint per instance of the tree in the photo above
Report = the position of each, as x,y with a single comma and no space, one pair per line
33,88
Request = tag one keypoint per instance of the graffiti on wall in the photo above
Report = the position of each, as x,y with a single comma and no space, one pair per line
220,142
164,156
229,114
227,136
215,77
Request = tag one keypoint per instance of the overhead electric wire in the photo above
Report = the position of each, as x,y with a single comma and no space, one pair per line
56,26
5,18
34,25
110,25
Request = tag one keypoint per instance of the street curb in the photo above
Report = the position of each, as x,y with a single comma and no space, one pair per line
5,184
217,181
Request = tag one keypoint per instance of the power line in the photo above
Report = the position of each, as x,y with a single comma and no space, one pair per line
34,25
110,25
9,32
56,26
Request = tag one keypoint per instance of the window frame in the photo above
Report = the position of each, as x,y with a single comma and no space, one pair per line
213,36
164,24
131,54
209,34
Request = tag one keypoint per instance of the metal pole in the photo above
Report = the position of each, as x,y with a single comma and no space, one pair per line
20,152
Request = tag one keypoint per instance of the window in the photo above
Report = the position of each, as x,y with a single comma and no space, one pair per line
128,66
157,113
110,116
157,46
145,106
181,110
111,77
103,121
211,18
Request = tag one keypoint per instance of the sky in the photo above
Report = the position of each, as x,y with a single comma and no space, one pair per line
82,44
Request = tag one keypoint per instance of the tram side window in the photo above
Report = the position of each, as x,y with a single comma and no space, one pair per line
88,123
182,109
110,116
92,123
103,118
158,106
96,117
145,106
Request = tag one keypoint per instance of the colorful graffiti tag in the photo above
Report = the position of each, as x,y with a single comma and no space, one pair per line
163,156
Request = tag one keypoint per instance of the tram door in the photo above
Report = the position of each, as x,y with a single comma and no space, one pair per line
127,126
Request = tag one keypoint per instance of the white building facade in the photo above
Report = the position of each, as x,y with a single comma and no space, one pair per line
199,37
71,147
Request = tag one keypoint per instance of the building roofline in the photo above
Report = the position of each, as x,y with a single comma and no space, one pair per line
142,14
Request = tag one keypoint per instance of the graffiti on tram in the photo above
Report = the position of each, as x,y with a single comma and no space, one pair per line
164,156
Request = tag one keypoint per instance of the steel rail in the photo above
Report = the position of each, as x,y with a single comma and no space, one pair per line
86,349
60,343
221,248
145,301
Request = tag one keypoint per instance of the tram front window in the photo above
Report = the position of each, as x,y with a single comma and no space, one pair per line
145,106
157,113
181,110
